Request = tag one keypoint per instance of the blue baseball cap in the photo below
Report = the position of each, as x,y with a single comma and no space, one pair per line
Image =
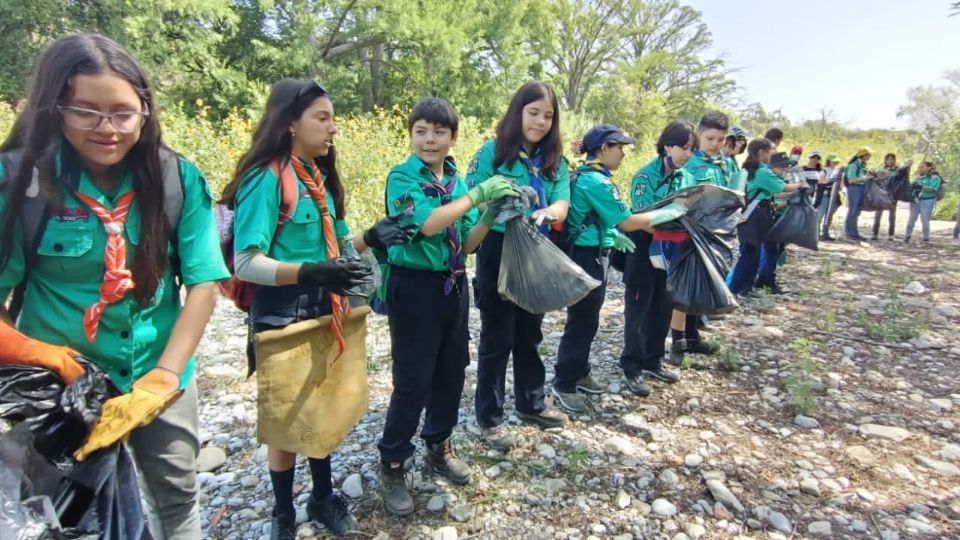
605,133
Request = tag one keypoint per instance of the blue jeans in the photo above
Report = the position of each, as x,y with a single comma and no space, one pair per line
854,202
924,210
745,272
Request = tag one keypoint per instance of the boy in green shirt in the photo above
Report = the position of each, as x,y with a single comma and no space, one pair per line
594,198
428,298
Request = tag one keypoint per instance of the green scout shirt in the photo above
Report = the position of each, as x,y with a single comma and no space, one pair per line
409,186
733,168
650,185
481,168
765,184
856,170
258,210
593,190
930,185
705,171
69,271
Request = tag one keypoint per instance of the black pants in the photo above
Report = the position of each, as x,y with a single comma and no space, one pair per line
429,340
891,221
583,320
646,312
505,328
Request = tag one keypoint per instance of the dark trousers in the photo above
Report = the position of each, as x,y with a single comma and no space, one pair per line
891,221
504,329
429,340
583,320
646,314
748,270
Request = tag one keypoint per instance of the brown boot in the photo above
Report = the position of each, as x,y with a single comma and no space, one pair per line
443,459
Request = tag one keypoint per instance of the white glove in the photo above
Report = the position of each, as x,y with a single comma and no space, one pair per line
541,216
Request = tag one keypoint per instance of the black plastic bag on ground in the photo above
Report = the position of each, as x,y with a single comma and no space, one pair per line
695,284
99,496
798,223
535,274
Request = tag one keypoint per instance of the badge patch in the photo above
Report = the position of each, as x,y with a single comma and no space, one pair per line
72,215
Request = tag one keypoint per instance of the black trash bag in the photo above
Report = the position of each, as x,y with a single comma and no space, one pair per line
99,496
537,275
899,185
798,223
875,196
714,208
695,284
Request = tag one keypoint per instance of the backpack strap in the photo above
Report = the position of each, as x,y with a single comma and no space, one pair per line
591,219
172,189
34,215
289,194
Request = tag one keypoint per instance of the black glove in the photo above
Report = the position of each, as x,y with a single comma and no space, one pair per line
389,231
337,275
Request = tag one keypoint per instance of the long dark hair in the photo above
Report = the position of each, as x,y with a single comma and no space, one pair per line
510,129
38,134
752,162
272,140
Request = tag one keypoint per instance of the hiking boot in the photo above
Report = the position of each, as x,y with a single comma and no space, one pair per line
570,401
588,385
662,374
700,346
637,386
393,489
332,511
547,418
443,459
283,527
498,437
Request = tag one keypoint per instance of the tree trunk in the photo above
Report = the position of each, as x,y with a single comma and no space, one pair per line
376,74
367,101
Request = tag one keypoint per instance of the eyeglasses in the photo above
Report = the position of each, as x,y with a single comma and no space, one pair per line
308,87
88,120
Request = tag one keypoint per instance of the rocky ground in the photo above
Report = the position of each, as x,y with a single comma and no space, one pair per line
831,413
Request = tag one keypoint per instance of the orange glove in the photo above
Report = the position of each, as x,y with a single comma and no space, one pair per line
18,349
150,396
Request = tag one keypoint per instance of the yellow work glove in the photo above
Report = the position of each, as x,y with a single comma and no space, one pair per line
18,349
150,396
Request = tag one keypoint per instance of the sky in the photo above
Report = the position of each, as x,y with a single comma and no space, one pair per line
855,57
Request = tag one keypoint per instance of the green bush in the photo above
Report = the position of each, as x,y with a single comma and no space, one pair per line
946,209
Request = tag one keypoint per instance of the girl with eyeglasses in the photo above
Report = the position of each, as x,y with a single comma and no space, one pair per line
98,277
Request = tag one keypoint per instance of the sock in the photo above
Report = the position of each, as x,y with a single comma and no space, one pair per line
283,492
693,330
677,335
322,481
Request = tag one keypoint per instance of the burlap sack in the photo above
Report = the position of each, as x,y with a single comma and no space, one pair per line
305,405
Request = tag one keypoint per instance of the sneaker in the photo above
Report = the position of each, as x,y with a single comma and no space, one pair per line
498,437
771,288
677,350
443,459
332,511
283,527
662,374
590,386
547,418
827,238
638,386
906,240
570,401
891,238
874,238
700,346
393,489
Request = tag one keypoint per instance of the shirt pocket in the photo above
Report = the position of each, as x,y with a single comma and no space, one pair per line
67,246
302,234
